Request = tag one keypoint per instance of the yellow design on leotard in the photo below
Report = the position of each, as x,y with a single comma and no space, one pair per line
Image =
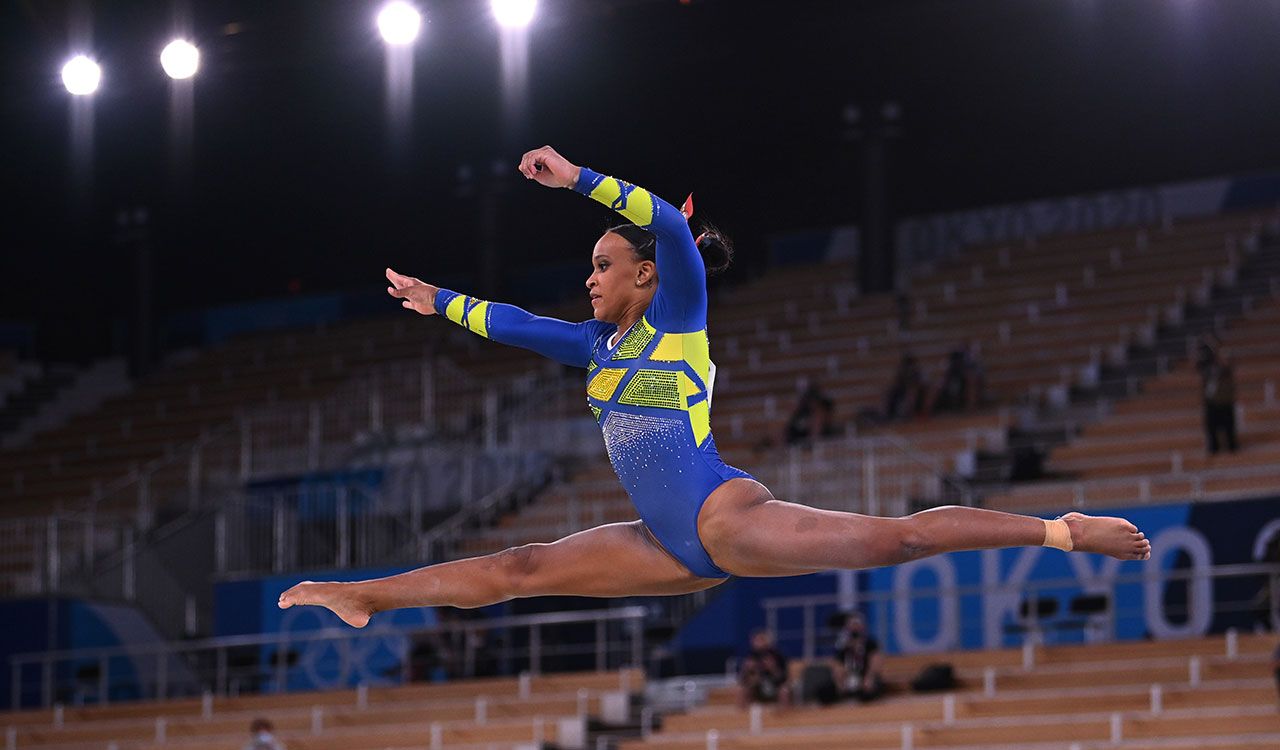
477,319
633,344
660,388
700,420
633,202
455,309
605,383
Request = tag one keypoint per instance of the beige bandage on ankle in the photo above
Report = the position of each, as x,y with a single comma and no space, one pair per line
1057,535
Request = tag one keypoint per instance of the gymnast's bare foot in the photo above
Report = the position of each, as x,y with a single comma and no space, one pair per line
343,599
1106,535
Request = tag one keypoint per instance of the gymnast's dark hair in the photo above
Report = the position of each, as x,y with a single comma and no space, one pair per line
716,249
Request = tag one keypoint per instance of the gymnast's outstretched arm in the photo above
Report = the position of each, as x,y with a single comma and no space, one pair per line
565,342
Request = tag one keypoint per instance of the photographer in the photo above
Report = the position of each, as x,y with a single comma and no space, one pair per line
763,676
859,668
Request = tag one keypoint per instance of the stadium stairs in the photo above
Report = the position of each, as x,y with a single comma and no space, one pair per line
481,714
1213,694
1243,301
1126,696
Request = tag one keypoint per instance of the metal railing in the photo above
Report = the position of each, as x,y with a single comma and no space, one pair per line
1193,486
880,475
519,644
382,415
341,525
800,623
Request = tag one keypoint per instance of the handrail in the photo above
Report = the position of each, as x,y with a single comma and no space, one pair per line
879,601
1216,571
914,455
355,401
170,678
330,634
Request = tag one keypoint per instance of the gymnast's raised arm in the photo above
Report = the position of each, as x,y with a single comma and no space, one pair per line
565,342
680,303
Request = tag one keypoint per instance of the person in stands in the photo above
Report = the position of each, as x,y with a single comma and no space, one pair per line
262,737
906,391
814,417
859,667
1218,389
763,676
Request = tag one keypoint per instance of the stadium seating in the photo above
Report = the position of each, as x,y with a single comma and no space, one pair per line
1101,695
1040,315
1125,695
487,713
1152,446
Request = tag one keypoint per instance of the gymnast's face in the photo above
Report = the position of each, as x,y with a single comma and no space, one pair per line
619,280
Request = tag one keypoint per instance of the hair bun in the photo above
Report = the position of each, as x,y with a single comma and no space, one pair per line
716,250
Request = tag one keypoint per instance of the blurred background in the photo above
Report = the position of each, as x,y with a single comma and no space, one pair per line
1015,255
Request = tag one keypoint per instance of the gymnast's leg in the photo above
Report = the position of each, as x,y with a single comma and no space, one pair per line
749,533
619,559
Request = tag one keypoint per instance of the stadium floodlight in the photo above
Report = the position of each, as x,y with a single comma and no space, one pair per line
399,23
81,75
513,14
180,59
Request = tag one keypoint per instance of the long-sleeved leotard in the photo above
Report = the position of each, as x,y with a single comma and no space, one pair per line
651,390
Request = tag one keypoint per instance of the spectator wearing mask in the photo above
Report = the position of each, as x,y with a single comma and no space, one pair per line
763,676
813,417
262,737
859,667
1218,389
905,392
961,385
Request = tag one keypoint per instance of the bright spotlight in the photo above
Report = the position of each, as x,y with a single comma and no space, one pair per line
81,75
513,14
399,22
180,59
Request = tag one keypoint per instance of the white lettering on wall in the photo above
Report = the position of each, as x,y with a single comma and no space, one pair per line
1199,586
948,633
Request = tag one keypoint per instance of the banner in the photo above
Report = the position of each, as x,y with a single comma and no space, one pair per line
974,599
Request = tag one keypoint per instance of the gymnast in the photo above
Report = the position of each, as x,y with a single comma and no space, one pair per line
649,386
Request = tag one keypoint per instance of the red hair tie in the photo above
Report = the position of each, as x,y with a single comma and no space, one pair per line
687,211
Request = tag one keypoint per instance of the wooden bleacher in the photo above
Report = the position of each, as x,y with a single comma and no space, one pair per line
391,717
1038,314
1157,437
1097,696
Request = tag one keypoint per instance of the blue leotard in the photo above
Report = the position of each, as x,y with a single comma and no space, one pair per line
651,391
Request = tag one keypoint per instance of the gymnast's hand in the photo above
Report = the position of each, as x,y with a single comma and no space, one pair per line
549,168
417,294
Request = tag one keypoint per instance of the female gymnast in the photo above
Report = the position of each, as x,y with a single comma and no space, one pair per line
649,383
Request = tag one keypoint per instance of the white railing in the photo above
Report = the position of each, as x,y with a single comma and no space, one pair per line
880,475
801,622
373,418
342,524
614,638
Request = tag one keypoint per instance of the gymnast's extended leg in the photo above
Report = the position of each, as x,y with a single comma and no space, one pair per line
620,559
748,532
